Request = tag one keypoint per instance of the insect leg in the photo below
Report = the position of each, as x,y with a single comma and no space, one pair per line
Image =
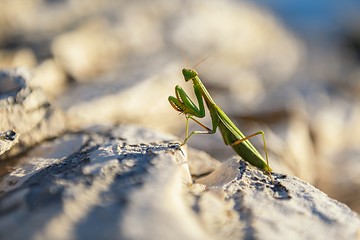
265,146
208,130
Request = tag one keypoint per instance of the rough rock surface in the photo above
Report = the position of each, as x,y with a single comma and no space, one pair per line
132,183
301,211
110,62
114,61
26,111
7,140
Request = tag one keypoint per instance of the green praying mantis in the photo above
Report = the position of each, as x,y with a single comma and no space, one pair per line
232,136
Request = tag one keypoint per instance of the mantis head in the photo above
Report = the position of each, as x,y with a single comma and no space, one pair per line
189,74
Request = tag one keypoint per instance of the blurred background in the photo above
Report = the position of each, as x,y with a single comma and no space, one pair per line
290,68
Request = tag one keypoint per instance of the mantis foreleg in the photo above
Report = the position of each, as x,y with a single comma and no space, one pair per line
209,131
185,105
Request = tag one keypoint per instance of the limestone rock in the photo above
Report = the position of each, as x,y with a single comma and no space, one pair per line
7,140
50,77
26,111
83,54
201,163
12,58
288,209
130,99
132,183
113,61
99,185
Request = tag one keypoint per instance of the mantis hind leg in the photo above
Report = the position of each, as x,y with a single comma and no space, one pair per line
265,147
208,130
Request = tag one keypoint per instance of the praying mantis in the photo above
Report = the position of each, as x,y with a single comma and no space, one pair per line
232,136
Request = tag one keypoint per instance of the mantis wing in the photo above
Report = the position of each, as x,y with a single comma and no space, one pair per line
230,127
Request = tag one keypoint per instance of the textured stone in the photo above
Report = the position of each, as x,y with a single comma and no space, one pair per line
287,209
27,111
132,183
201,163
82,52
7,140
131,99
117,61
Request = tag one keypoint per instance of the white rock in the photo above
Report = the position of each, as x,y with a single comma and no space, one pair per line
132,183
128,100
290,209
27,111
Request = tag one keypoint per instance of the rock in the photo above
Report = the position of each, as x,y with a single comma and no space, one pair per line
39,19
339,177
85,175
7,140
132,183
335,130
50,77
109,62
22,57
201,163
126,58
298,209
126,98
26,111
82,52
